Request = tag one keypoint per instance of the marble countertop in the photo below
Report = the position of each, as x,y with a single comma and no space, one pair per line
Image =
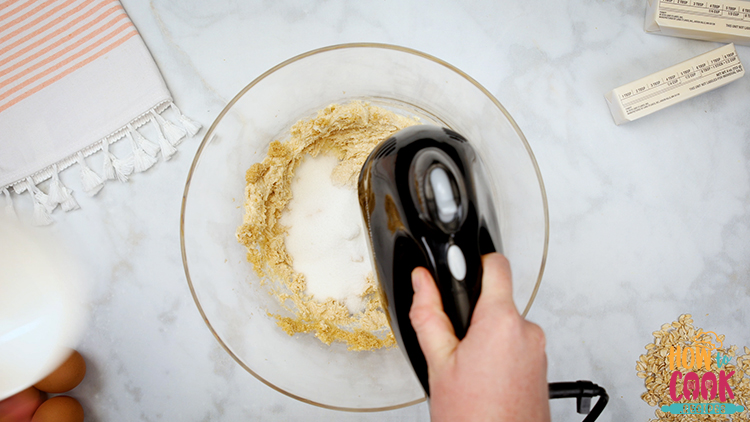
648,220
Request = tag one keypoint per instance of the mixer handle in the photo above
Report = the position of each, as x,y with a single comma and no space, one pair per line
583,391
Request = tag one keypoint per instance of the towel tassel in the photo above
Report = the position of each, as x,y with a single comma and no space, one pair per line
108,169
141,160
42,211
149,147
115,167
171,131
167,149
91,181
190,125
59,194
10,211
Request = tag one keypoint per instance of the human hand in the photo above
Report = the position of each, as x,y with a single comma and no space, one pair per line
21,406
498,372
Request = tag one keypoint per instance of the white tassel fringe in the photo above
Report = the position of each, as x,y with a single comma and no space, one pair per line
115,167
149,147
41,216
59,194
91,181
171,131
70,204
141,160
123,168
42,209
143,157
191,126
108,169
42,198
167,149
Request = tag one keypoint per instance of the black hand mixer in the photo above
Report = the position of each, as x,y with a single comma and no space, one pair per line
426,202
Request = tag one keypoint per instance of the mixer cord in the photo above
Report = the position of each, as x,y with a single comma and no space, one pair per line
583,391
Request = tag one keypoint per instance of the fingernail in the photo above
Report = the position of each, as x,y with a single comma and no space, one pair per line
416,280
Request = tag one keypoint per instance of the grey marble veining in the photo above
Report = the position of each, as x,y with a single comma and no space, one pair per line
648,220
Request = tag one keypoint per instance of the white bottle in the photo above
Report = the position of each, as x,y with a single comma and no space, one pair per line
41,307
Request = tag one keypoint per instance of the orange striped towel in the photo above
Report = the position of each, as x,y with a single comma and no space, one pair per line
75,77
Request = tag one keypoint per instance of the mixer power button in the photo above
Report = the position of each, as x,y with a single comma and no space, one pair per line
456,262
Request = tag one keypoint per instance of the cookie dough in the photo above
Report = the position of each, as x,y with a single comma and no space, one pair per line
348,132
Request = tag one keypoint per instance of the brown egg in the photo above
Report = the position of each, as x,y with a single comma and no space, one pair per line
66,377
21,406
59,409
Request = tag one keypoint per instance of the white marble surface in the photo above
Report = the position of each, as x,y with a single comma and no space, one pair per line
647,220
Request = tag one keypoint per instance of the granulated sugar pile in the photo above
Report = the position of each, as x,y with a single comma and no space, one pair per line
325,236
302,228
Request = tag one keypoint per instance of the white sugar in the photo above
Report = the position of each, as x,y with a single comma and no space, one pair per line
326,238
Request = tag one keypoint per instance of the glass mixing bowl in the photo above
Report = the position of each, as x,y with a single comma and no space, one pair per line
228,293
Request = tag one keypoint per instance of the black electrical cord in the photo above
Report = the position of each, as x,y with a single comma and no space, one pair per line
583,391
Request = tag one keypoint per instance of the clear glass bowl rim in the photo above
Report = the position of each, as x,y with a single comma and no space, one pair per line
257,80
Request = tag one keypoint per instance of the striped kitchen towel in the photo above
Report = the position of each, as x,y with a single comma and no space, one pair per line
75,77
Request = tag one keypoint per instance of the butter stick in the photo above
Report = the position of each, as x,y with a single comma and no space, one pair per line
726,21
675,84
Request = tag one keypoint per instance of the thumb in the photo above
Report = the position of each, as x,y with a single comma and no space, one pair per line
434,330
497,285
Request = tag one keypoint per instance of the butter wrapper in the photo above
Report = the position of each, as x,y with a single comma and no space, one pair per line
675,84
726,21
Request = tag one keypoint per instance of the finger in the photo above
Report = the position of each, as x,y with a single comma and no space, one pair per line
434,330
497,285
